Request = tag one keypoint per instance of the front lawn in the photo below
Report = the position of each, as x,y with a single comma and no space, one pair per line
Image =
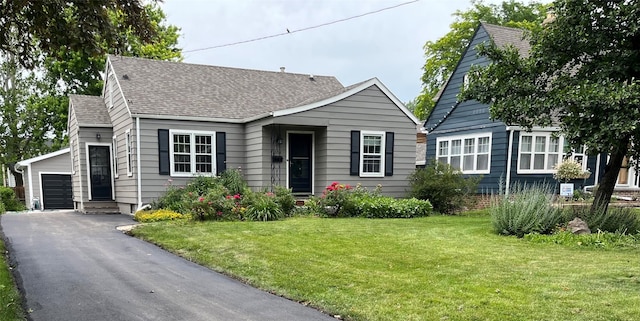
10,308
432,268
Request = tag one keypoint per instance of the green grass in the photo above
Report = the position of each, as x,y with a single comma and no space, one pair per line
433,268
10,308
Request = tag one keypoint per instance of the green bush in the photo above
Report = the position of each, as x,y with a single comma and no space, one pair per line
528,209
284,198
445,187
263,208
8,198
232,179
157,215
2,209
615,219
388,207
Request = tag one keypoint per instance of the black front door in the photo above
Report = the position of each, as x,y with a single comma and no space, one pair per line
100,173
300,162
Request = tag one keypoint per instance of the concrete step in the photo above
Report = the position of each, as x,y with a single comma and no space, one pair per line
101,207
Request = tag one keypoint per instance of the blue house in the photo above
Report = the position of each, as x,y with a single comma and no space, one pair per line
460,133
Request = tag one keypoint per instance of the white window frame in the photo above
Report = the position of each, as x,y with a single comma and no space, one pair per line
382,135
128,147
72,149
114,143
562,154
192,153
475,153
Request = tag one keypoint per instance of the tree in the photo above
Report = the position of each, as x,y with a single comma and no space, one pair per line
582,73
30,27
443,54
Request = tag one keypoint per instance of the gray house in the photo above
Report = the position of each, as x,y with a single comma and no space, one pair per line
47,180
160,123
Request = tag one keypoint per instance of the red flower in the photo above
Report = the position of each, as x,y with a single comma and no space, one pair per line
228,197
201,199
237,196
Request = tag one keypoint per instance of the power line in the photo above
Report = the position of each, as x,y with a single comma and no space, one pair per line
303,29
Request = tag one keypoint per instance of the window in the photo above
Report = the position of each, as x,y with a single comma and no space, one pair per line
470,154
191,152
539,153
372,154
127,136
115,156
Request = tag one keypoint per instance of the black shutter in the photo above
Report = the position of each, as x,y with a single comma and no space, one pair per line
163,152
388,154
221,152
355,153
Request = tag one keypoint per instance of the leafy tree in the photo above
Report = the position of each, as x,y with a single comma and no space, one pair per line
443,54
583,73
30,27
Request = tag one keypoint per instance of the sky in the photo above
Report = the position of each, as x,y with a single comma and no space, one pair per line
387,44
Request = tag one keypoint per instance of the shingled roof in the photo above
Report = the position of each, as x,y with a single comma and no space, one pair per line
90,110
154,87
503,36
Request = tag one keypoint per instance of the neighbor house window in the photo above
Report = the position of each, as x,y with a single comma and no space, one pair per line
127,136
372,154
470,154
115,156
192,152
539,153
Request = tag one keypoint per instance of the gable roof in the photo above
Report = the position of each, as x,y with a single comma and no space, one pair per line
90,110
26,162
155,88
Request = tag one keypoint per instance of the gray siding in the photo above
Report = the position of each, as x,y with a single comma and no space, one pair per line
154,184
369,109
87,136
60,164
76,180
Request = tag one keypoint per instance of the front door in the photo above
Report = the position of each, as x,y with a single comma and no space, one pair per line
100,173
300,162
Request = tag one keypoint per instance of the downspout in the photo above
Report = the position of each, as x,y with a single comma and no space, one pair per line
138,162
509,156
597,178
20,169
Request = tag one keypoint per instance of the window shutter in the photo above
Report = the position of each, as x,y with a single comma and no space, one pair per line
388,154
221,152
163,152
355,153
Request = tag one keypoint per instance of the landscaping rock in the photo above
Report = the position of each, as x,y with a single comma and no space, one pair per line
578,226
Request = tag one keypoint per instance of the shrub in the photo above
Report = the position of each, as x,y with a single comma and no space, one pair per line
8,198
335,196
594,240
157,215
232,179
263,208
388,207
570,169
528,209
284,198
615,219
2,209
445,187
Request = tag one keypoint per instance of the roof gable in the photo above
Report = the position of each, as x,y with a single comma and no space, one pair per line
26,162
155,88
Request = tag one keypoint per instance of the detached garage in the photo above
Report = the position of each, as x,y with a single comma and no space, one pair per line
47,180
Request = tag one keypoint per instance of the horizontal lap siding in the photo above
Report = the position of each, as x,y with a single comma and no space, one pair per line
88,135
58,164
76,179
126,188
154,184
369,109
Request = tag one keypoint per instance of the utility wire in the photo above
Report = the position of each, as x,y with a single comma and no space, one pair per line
303,29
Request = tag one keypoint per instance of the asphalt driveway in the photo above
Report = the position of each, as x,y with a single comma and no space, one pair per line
79,267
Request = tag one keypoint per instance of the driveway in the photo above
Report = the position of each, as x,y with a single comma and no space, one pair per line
79,267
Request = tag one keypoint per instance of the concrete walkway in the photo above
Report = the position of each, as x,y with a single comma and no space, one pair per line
79,267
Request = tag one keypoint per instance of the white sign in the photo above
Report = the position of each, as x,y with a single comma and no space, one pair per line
566,189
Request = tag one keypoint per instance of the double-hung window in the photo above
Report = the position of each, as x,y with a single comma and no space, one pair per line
539,153
470,154
372,153
192,152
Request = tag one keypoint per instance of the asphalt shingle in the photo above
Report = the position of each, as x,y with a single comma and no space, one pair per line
503,36
90,110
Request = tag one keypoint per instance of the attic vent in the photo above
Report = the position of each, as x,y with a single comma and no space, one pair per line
311,77
125,76
281,69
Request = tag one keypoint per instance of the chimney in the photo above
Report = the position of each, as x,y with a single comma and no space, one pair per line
551,17
281,69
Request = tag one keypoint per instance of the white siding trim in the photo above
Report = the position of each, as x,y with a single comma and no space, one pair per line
382,152
124,99
42,157
138,165
561,154
114,156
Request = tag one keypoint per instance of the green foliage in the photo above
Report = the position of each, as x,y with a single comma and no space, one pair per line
388,207
232,179
443,55
10,301
9,200
157,215
284,198
604,240
569,169
2,208
445,187
529,209
264,208
613,219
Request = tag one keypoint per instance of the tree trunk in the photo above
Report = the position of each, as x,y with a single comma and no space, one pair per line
17,175
610,177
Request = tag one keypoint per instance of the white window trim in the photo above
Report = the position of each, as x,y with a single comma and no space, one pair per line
192,157
476,137
128,148
561,154
114,143
72,149
382,152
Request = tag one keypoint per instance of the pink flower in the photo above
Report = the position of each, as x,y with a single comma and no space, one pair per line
237,196
190,194
201,199
228,197
209,203
219,213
